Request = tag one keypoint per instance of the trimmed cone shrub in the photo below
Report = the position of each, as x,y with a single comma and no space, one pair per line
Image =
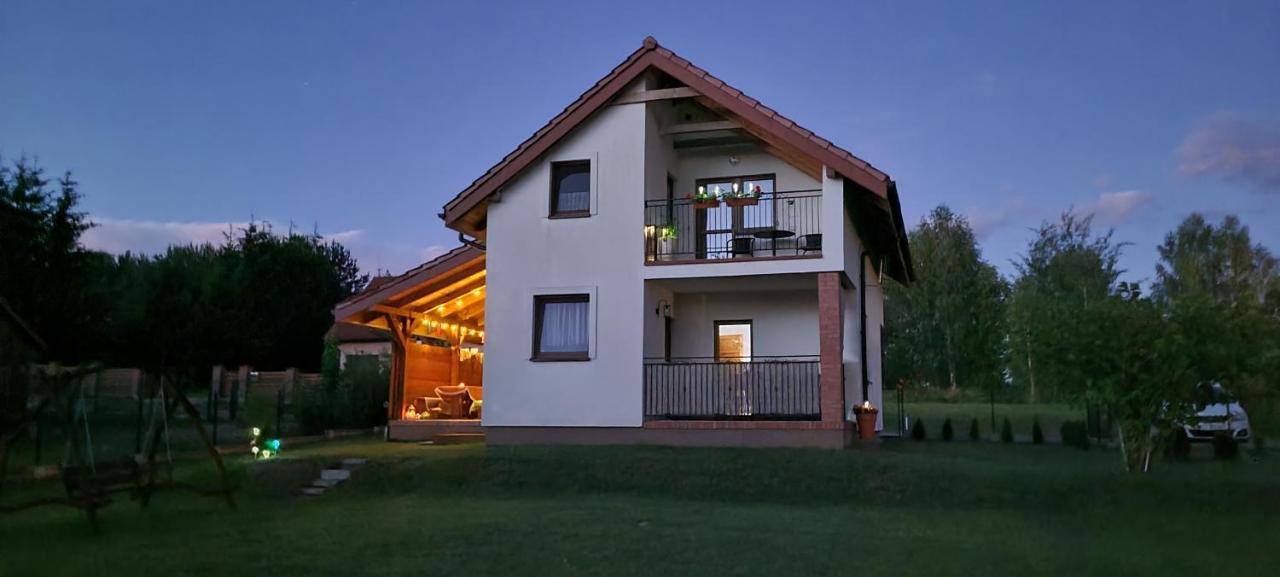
1037,435
1006,431
974,434
1225,447
947,432
1075,434
1179,448
917,430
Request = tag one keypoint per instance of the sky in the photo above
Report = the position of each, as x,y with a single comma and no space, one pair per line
359,120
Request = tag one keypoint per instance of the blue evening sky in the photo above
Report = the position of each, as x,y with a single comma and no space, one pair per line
361,118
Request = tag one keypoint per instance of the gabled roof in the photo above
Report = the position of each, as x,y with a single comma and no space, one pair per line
354,333
393,290
764,122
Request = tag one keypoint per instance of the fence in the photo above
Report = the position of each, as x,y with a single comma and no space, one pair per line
931,407
777,388
120,404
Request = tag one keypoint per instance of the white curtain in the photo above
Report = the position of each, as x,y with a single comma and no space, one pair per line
564,328
570,201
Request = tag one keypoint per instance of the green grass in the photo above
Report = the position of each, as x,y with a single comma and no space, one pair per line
903,508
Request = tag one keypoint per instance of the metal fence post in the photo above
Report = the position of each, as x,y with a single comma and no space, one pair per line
39,438
233,403
137,424
279,411
214,405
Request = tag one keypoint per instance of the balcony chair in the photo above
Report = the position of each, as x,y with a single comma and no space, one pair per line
808,243
740,246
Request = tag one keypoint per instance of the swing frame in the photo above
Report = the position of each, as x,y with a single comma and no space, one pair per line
89,487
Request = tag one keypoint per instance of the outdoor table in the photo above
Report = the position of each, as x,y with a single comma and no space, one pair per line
772,235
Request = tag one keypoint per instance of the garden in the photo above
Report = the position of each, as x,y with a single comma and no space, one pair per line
910,508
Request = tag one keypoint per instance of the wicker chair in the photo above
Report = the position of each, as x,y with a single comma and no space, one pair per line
455,402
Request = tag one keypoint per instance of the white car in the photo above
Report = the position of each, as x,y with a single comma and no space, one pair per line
1218,412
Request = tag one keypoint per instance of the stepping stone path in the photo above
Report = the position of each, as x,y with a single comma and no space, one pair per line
332,477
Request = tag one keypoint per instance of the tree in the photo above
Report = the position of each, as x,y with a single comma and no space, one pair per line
1066,271
1219,263
1228,289
947,328
44,272
1142,372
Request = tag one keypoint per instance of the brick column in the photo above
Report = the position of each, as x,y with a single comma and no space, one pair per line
831,349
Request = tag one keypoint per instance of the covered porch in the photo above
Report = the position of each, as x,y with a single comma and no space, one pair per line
751,353
434,315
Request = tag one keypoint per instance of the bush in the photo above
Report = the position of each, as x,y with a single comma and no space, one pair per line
353,398
1225,447
1179,448
1006,431
974,435
947,432
313,402
1075,434
1037,435
361,395
917,431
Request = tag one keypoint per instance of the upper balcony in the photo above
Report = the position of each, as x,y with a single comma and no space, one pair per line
744,220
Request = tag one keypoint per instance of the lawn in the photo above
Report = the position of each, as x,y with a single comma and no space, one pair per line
903,508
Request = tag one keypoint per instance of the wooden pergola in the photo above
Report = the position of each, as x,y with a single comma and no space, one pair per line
442,300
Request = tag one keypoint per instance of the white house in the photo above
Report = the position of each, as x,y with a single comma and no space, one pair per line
666,261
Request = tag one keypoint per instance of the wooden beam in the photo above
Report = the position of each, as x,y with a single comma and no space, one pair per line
692,127
455,287
398,314
660,94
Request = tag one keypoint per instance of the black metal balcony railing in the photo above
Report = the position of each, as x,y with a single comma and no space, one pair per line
775,224
760,389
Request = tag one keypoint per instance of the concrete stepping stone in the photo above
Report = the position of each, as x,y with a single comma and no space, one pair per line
325,483
312,491
353,463
338,475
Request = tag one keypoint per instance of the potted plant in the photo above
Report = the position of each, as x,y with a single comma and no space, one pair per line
666,242
743,197
866,415
703,199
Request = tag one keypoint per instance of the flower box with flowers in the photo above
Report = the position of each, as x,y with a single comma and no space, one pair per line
703,199
738,198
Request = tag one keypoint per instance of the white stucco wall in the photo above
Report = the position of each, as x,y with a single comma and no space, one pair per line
382,350
783,323
530,253
875,361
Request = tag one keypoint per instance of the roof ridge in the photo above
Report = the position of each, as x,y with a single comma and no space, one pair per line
869,177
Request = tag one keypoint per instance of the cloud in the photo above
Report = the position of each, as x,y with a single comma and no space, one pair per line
1229,147
1115,208
118,236
985,221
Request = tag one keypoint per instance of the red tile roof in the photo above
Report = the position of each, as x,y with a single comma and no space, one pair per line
651,54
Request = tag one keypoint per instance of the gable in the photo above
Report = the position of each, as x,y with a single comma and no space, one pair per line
785,139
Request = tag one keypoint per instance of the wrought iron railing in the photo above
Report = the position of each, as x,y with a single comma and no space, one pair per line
760,388
775,224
